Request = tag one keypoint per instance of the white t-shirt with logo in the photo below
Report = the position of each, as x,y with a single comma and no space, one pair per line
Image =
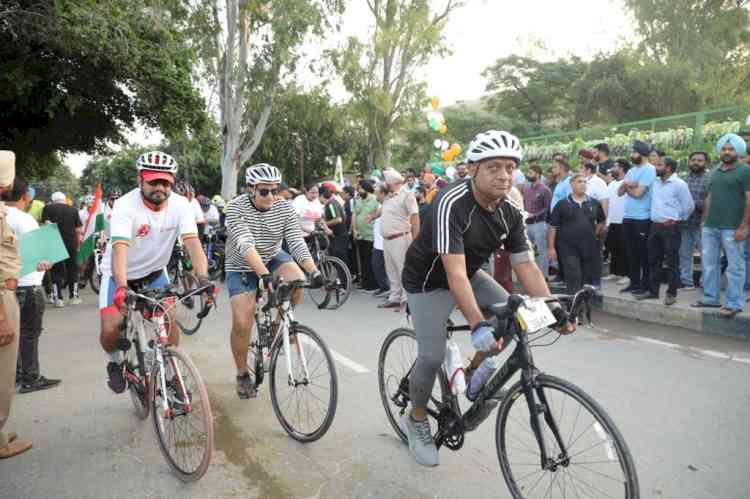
150,235
309,212
616,203
22,223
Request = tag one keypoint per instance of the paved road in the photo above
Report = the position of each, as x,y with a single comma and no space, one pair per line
681,400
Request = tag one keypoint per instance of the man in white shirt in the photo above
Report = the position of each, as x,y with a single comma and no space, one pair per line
145,225
615,242
308,208
30,294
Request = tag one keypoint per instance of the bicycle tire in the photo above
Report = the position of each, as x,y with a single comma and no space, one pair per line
332,298
139,392
187,316
95,280
389,383
300,435
205,416
614,444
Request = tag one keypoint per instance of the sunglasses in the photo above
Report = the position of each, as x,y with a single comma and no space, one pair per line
265,192
159,181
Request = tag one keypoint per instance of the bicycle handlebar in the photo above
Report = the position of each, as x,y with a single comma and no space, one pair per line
155,296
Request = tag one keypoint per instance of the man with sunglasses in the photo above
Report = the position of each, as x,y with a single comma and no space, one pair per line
257,224
144,227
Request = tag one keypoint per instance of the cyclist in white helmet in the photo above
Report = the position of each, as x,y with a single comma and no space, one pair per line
144,226
257,223
467,222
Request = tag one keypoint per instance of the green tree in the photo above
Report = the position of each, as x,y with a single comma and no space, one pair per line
381,71
75,74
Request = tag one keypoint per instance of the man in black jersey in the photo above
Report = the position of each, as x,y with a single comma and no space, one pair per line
466,223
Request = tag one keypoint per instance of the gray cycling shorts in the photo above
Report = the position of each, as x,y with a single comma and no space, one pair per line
430,311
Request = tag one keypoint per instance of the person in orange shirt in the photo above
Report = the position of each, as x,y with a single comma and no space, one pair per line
428,181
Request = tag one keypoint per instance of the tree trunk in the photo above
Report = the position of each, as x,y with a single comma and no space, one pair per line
229,171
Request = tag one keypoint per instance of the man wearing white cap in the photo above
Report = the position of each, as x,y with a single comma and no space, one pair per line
399,225
69,223
10,269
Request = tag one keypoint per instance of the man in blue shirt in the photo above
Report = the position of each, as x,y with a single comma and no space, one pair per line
671,203
561,169
637,217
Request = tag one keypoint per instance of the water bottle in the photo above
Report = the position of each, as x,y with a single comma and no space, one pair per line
454,369
481,375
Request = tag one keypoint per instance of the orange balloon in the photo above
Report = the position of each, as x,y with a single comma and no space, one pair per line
446,155
435,103
456,148
443,128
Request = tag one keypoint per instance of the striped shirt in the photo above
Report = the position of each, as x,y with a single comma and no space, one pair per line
248,228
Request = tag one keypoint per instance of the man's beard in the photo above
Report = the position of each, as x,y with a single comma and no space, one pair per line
637,160
695,168
728,159
153,197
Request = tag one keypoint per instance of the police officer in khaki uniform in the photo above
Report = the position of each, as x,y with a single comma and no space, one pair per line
10,268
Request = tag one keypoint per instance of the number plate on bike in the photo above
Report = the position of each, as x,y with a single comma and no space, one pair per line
534,315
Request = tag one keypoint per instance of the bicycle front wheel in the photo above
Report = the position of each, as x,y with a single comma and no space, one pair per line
332,296
185,429
188,308
304,404
596,461
95,278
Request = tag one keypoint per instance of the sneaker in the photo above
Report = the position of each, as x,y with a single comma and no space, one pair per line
686,287
38,383
59,303
75,301
610,277
623,281
382,293
246,388
421,444
670,300
116,381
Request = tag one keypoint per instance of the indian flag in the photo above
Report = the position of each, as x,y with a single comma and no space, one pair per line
94,225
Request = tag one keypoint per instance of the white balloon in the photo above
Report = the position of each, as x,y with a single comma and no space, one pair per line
444,146
747,120
451,172
437,143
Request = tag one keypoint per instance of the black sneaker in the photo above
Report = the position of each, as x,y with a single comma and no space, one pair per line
116,381
38,383
246,388
176,397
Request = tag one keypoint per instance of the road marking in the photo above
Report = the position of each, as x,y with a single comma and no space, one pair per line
341,359
705,353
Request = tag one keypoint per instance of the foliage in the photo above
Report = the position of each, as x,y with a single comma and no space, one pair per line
75,74
381,71
58,178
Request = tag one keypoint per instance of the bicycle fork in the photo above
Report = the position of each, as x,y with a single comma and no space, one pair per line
179,389
288,320
537,403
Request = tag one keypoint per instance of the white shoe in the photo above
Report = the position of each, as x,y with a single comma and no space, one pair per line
623,281
610,277
59,303
75,301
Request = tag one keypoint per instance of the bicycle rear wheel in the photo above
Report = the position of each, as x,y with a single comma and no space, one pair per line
186,430
305,407
597,461
332,296
95,278
397,356
187,309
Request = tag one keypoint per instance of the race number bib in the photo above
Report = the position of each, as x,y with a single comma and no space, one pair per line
534,315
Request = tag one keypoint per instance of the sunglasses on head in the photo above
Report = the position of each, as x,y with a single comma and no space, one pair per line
265,192
159,181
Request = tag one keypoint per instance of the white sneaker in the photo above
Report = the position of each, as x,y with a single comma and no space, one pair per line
421,444
610,277
75,301
59,303
623,281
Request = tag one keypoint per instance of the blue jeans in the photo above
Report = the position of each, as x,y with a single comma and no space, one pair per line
747,264
713,242
247,282
691,237
538,236
378,268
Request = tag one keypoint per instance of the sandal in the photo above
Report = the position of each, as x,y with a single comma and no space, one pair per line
728,313
14,448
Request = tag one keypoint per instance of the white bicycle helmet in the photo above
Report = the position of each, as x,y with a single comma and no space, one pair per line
494,144
262,173
157,161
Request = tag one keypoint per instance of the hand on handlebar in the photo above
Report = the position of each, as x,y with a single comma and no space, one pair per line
317,280
483,338
565,324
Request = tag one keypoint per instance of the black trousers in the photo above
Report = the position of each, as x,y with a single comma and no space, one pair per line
31,307
365,258
635,233
615,244
664,250
66,268
580,268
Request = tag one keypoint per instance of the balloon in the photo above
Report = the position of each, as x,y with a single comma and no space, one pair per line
376,173
435,103
446,156
456,148
451,172
443,128
443,145
438,143
438,170
435,124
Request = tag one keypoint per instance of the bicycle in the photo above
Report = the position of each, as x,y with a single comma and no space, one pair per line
309,369
93,267
527,456
335,272
214,247
162,379
180,272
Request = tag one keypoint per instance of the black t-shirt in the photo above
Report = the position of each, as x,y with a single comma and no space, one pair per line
456,224
334,210
67,220
576,223
605,166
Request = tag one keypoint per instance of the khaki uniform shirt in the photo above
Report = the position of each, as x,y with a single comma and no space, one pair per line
10,258
395,213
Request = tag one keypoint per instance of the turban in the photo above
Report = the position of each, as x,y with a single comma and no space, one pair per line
7,168
392,175
586,153
642,148
58,197
739,145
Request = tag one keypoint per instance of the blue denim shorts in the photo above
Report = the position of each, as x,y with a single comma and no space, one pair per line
247,282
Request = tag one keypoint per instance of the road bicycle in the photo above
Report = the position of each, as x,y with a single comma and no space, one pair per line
92,272
163,380
181,275
552,439
338,279
303,384
214,246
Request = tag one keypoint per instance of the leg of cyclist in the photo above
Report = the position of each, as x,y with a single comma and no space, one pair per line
111,325
290,271
242,287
